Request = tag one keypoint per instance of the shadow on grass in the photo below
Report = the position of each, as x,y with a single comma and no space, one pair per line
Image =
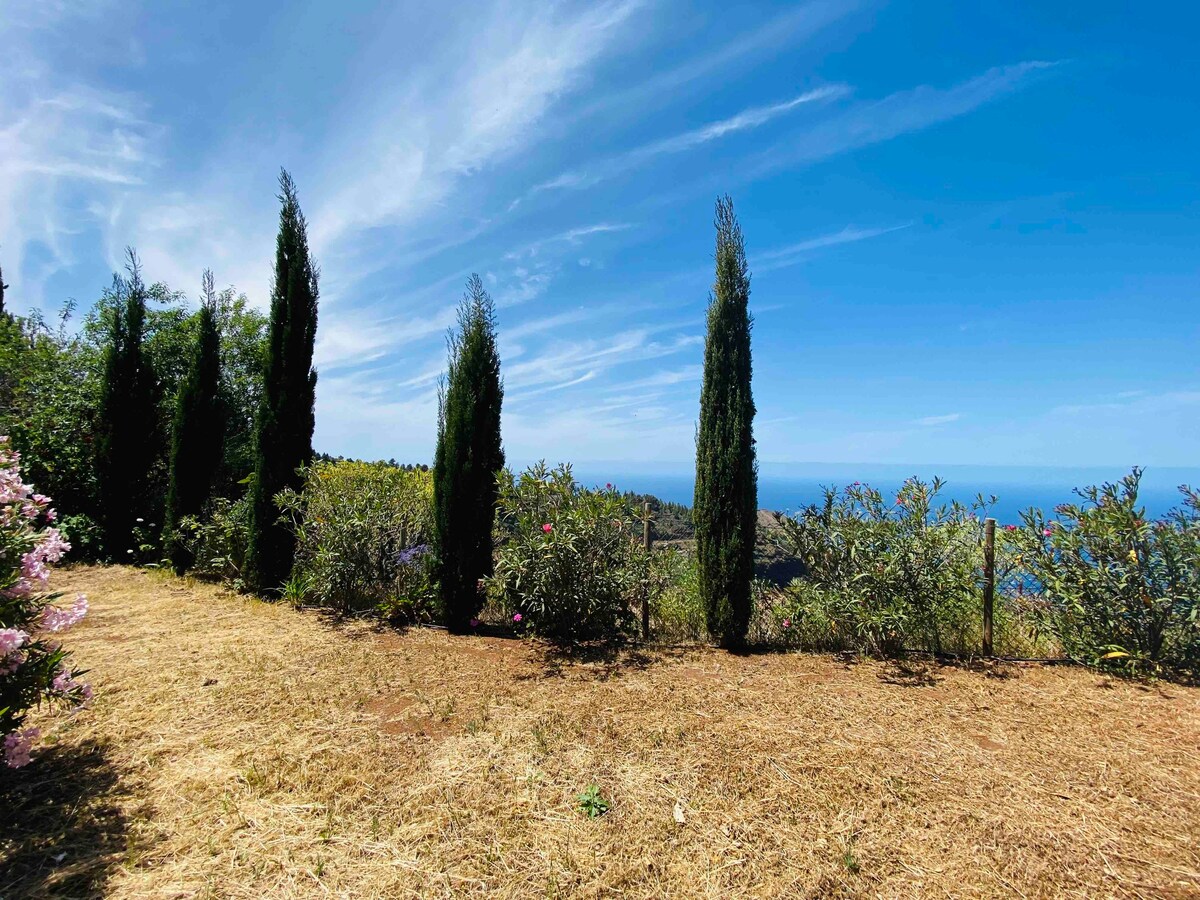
60,827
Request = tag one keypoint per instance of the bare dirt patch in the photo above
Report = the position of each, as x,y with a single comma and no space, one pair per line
241,749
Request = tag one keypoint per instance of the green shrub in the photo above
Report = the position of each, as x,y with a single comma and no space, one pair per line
217,541
572,567
885,576
1117,589
676,608
362,532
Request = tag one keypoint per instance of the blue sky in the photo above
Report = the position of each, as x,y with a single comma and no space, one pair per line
973,227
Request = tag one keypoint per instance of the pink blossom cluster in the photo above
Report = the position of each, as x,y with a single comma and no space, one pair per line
11,654
64,683
17,746
55,620
35,565
27,551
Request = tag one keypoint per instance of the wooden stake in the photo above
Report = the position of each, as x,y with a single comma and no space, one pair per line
646,597
989,582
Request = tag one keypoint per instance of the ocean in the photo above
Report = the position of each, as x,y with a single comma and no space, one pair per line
789,488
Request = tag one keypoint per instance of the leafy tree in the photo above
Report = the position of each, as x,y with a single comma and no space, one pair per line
129,434
243,331
468,457
284,425
198,431
726,506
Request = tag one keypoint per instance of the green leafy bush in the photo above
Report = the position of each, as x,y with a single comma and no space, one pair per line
885,575
362,532
217,541
1117,589
572,567
676,608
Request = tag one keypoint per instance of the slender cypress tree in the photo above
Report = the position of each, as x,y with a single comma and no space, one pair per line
284,425
468,457
198,431
726,504
128,440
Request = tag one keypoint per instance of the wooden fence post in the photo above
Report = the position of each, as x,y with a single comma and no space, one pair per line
646,598
989,582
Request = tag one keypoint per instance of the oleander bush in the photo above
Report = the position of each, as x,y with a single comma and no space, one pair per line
883,574
1117,589
571,566
362,538
34,667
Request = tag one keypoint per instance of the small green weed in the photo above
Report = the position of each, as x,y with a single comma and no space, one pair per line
591,803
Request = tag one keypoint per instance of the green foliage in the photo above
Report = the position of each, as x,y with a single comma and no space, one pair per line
284,425
726,507
468,457
198,431
49,397
676,608
129,435
572,565
218,539
362,532
672,521
1117,589
883,576
592,803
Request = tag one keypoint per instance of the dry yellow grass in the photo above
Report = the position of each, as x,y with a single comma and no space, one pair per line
239,749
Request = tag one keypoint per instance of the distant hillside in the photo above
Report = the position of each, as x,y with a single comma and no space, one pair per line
672,524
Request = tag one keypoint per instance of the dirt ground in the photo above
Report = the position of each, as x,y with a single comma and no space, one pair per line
241,749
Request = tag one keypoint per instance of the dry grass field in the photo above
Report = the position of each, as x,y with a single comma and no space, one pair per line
239,749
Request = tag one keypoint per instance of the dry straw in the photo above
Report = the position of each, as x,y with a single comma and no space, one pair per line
243,750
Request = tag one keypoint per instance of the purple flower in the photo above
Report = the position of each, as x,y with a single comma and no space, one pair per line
517,617
412,554
474,623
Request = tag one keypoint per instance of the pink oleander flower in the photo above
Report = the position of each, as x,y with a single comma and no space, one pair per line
12,661
1046,532
1010,527
517,617
54,619
547,528
12,639
608,486
787,623
17,746
62,681
474,623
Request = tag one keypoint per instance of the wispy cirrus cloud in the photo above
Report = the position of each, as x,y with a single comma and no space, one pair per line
749,118
930,421
899,113
793,253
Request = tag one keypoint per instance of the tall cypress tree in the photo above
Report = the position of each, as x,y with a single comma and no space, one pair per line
284,426
726,503
198,431
128,440
469,455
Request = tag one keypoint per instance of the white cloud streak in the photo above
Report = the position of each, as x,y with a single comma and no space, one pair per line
753,117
